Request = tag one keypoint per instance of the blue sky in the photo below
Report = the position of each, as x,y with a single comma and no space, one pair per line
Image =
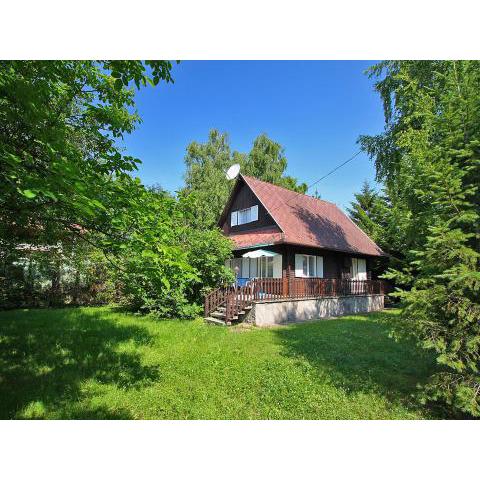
315,109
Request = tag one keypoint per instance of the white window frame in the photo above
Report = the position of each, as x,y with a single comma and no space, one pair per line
262,267
243,216
265,267
308,261
234,219
254,213
358,269
302,260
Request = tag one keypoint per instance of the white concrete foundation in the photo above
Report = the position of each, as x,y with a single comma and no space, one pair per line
279,312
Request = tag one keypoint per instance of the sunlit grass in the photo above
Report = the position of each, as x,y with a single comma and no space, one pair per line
101,363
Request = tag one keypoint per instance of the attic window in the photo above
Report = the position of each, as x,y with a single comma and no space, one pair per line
247,215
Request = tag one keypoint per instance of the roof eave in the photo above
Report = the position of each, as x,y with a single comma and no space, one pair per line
256,245
307,245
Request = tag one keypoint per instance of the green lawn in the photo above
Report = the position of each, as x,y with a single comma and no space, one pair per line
100,363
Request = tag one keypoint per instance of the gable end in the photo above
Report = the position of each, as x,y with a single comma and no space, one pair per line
243,197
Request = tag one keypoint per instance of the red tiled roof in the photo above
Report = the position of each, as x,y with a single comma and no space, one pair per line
305,220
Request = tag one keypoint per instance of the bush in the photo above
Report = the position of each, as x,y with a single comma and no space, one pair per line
167,263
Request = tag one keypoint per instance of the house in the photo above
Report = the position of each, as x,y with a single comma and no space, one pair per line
291,248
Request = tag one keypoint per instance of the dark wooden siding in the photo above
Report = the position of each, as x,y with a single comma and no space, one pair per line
245,198
334,263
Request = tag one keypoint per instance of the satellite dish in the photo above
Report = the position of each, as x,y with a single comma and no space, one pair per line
233,171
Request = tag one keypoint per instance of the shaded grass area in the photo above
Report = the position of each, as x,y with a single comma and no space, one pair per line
101,363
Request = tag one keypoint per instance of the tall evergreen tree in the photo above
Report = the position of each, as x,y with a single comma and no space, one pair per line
369,211
429,156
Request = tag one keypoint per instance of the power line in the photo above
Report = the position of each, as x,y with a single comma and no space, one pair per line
334,170
320,179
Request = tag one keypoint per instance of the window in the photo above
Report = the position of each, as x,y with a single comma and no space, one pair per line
247,215
265,267
358,270
244,216
236,266
246,268
262,267
308,266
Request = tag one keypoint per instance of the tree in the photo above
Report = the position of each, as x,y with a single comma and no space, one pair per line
66,181
207,250
60,127
206,164
267,162
381,219
70,271
165,264
429,157
369,211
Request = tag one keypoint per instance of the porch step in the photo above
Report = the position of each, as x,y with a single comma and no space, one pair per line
223,313
218,316
223,309
222,316
215,321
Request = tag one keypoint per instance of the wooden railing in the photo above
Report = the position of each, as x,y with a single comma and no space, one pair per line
216,298
277,288
333,287
236,299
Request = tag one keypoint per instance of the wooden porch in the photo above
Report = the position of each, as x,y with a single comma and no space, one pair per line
229,303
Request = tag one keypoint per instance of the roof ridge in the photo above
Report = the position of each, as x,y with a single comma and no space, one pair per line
328,227
289,190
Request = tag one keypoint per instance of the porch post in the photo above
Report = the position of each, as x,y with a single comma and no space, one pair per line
286,281
290,276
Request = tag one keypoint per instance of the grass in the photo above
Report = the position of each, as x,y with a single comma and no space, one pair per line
101,363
